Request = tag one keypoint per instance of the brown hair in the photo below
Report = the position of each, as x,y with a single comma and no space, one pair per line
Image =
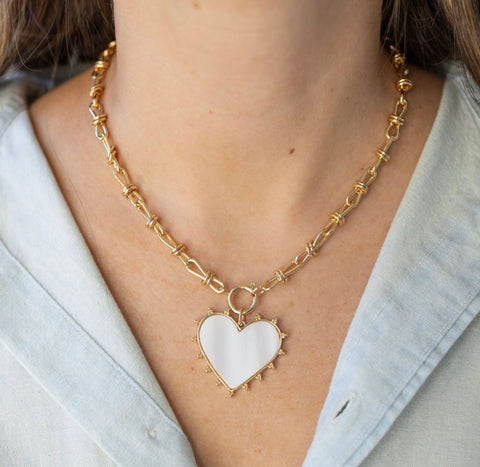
432,31
41,33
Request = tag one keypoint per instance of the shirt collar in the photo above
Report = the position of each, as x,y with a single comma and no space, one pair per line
58,317
423,291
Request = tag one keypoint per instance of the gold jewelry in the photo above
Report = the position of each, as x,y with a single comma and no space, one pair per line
237,352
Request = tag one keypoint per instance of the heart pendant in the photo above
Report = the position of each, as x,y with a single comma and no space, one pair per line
237,354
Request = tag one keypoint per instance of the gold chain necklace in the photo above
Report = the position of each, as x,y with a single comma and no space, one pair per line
237,352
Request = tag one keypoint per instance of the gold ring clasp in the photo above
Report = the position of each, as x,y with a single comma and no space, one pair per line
240,311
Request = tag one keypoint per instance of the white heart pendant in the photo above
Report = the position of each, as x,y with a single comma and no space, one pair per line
238,354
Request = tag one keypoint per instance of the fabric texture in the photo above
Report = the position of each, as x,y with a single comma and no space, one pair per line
75,388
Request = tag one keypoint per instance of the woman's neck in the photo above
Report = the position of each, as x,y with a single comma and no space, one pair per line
246,59
253,99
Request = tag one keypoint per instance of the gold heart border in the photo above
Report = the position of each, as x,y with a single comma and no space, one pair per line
258,374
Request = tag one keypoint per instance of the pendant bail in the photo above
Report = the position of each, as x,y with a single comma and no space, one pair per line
240,320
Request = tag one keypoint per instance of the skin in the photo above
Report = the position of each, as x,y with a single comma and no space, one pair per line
244,125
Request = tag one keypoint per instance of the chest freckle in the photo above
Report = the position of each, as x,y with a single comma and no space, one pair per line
258,451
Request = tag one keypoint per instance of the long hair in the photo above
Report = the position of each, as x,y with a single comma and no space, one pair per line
41,33
36,34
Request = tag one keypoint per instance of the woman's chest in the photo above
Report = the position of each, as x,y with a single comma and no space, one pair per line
273,422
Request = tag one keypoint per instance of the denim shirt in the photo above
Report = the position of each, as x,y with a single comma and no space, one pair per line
75,388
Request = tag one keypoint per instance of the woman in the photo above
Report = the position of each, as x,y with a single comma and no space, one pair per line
243,126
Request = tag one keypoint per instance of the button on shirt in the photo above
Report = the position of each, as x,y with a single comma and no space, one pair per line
75,388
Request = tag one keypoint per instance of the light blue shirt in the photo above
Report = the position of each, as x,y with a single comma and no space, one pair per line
75,389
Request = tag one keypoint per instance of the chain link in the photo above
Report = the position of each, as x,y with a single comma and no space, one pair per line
337,218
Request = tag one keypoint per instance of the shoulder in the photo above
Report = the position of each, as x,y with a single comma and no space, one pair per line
20,89
462,88
16,133
17,91
14,94
456,129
